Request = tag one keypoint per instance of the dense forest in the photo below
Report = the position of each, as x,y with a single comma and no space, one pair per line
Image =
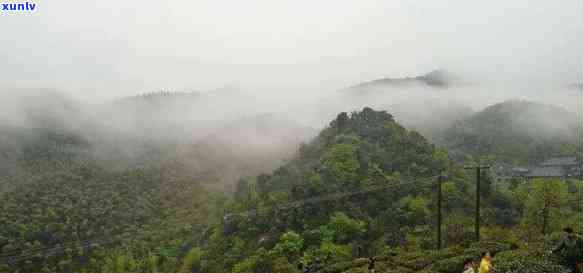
364,187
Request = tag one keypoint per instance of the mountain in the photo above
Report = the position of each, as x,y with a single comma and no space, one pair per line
128,177
356,151
365,141
516,132
203,131
437,78
64,194
363,187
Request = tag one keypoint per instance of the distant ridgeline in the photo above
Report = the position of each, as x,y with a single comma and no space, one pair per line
436,78
162,95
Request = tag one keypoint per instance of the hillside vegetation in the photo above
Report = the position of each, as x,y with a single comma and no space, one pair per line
364,187
518,132
364,150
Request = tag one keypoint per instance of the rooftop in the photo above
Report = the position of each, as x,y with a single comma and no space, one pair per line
546,171
560,161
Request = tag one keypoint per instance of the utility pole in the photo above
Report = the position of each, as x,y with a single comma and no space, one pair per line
545,212
479,169
439,204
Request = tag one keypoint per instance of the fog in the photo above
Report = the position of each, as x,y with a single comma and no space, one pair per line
219,136
108,49
250,81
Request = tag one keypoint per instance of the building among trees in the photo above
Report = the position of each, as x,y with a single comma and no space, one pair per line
557,167
563,167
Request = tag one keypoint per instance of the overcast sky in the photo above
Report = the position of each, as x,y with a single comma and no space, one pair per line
114,48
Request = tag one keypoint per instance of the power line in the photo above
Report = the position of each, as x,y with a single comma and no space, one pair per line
33,252
72,243
334,196
24,254
54,251
50,251
104,239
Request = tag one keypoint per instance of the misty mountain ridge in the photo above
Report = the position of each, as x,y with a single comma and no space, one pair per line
533,118
226,128
516,131
437,78
199,130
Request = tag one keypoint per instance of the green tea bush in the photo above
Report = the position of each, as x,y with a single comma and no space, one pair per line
521,261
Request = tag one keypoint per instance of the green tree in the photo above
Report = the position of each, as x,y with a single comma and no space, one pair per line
417,209
331,252
344,228
342,162
282,265
543,202
290,246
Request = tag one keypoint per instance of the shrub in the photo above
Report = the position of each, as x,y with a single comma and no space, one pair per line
521,261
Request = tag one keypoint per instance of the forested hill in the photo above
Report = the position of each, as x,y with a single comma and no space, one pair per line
319,209
516,132
72,173
198,130
364,187
356,152
356,149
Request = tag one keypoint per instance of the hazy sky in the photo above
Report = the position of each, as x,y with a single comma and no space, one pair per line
116,48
